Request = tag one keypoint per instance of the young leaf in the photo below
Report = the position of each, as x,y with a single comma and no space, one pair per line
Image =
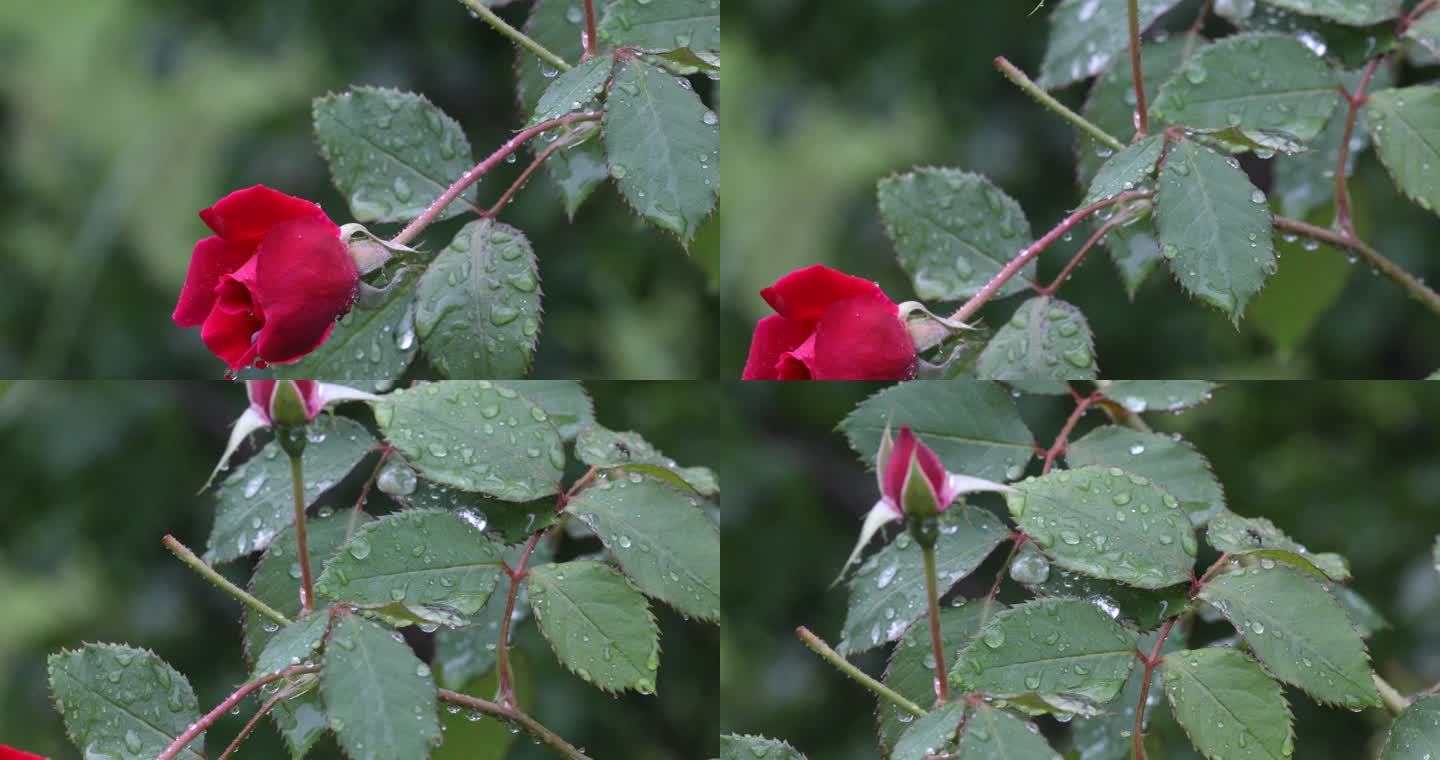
475,436
1229,707
1405,124
1158,395
1416,733
1126,170
974,428
663,26
1086,35
601,447
1172,463
380,697
370,347
738,747
932,734
122,702
911,670
565,401
598,624
995,734
255,502
953,231
1232,533
1046,342
1352,12
379,569
1107,736
293,644
477,308
663,148
1214,228
1298,630
1063,647
573,89
391,153
887,593
1107,523
1426,31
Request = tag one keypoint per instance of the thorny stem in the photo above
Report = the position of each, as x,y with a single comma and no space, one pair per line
479,170
1138,734
818,646
531,726
1142,118
502,655
589,40
1409,282
968,309
1343,220
1062,441
1017,76
1194,33
482,11
365,491
188,557
932,596
198,727
1019,539
254,721
297,491
524,177
1080,256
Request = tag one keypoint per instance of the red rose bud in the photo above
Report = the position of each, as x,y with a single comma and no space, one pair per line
267,287
285,402
915,482
10,753
829,326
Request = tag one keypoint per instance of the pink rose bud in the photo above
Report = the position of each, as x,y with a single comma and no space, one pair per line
914,481
285,402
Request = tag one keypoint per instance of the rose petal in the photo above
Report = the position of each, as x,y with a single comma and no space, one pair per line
805,294
862,339
10,753
213,258
774,336
934,472
247,215
795,365
305,280
898,466
229,336
260,392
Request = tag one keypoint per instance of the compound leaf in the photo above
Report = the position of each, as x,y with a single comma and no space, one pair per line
911,670
599,446
738,747
1086,35
1405,125
663,26
1416,733
1107,736
1111,104
1229,532
1172,463
1158,395
932,734
371,346
573,90
380,697
293,644
1351,12
1140,608
598,624
1046,342
1126,170
123,702
566,401
995,734
1228,705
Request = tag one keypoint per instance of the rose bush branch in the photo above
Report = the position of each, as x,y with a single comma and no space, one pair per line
818,646
1014,74
589,39
502,655
1142,116
550,150
254,721
189,557
1080,255
1392,271
199,727
531,726
1354,100
482,11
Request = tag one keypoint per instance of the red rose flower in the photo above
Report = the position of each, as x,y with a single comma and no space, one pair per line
10,753
262,398
829,326
267,287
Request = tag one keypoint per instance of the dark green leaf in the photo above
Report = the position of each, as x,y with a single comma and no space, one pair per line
1416,733
1405,125
663,148
601,447
293,644
369,347
1214,228
1107,523
994,734
932,734
1172,463
1353,12
510,521
1306,182
122,702
973,427
1298,630
255,502
1062,647
1086,35
566,401
1111,105
1135,252
1046,342
1232,533
475,436
1142,608
577,171
738,747
391,153
1426,31
1126,170
1347,46
477,309
598,624
380,697
911,670
953,231
1108,736
887,593
1158,395
467,653
1230,708
663,26
573,90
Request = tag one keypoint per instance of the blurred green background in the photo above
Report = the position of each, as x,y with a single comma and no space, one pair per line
120,119
93,474
1345,467
825,97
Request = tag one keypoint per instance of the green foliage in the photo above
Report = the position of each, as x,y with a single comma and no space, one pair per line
1232,533
509,521
574,90
1107,736
931,734
663,26
1228,705
1111,103
994,734
293,644
1353,12
1172,463
123,702
740,747
601,447
565,401
1088,34
1126,170
600,627
371,346
1415,733
1405,125
1306,182
1142,608
1426,31
953,231
1045,343
911,669
380,698
1157,395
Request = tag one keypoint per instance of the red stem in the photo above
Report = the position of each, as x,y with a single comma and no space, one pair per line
1414,15
502,658
1343,220
588,38
524,177
254,721
932,595
1062,441
1142,117
1019,538
198,727
1084,249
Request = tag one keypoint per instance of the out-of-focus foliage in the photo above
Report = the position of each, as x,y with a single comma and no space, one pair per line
1341,467
874,87
120,120
93,475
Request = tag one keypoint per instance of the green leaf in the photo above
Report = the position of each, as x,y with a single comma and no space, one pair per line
1108,736
1172,463
1107,523
370,347
1063,647
953,231
1158,395
293,644
1111,104
887,593
380,567
1298,630
1141,608
1126,170
122,702
932,734
1416,733
1135,252
1086,35
1405,125
1214,228
510,521
1232,533
1352,12
1046,342
663,148
566,401
598,624
994,734
391,153
380,697
1347,46
974,428
911,670
1234,11
573,90
1229,707
477,309
1253,81
739,747
467,653
1426,31
255,502
576,172
475,436
661,539
601,447
1366,618
663,26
